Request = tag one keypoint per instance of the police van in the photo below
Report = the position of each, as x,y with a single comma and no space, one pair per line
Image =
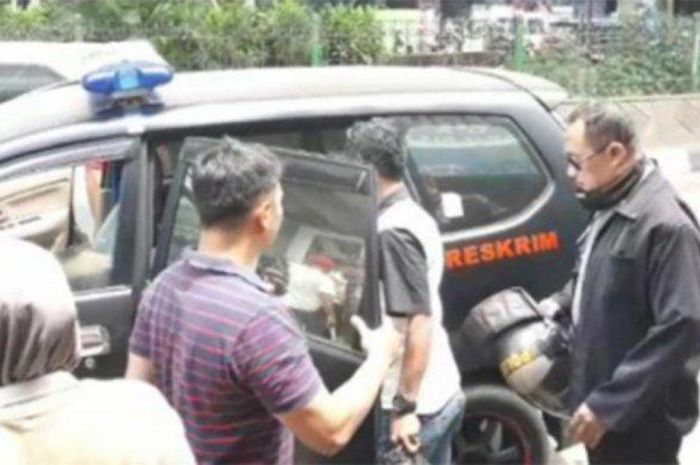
97,171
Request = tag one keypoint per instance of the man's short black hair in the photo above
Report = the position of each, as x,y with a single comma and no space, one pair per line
229,179
380,143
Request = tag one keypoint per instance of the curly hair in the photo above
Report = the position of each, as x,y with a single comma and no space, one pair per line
378,142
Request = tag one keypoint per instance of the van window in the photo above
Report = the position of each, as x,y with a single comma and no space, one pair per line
468,170
472,171
72,211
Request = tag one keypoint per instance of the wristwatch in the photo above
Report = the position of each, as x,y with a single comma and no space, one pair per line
403,406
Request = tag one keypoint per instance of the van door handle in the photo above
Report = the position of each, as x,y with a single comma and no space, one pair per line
94,341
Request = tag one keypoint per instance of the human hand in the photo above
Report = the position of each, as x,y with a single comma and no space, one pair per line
405,430
276,279
586,427
331,321
548,308
384,341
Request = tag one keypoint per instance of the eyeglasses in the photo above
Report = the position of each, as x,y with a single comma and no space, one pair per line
576,164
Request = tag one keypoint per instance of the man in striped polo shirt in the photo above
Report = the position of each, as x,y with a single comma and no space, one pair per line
224,351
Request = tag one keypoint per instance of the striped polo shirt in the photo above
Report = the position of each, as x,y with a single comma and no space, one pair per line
228,356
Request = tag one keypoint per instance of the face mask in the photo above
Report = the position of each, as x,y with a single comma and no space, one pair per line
604,198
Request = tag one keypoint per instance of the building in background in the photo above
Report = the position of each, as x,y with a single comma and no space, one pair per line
685,7
595,9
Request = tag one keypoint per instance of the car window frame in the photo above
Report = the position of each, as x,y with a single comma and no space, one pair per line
51,157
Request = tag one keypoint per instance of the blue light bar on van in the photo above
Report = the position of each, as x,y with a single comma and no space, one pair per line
127,79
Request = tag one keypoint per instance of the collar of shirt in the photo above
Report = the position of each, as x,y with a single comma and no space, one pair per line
400,194
221,265
629,207
639,198
43,387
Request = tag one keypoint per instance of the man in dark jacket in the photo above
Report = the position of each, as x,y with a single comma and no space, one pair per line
634,300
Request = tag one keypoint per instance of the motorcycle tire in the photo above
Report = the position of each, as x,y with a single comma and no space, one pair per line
499,427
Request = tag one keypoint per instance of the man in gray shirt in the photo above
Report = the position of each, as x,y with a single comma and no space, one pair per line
422,402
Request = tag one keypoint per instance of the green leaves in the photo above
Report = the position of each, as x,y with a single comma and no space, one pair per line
352,34
637,59
197,34
43,23
290,33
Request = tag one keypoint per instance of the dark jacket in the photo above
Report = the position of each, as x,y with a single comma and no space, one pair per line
635,349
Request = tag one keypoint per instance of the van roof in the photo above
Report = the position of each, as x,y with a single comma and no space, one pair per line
191,95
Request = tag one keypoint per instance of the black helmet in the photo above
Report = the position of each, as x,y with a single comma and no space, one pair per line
531,352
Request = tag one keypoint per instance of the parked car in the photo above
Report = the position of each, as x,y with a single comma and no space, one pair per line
104,183
28,65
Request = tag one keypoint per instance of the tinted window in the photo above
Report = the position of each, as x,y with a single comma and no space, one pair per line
472,171
469,171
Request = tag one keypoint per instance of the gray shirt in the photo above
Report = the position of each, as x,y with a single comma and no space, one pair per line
403,268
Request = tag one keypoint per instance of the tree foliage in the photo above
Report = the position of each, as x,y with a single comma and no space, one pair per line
199,34
642,56
352,34
638,58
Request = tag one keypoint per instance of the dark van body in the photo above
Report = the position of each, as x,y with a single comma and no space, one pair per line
108,193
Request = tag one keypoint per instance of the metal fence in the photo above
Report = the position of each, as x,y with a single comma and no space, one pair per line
638,56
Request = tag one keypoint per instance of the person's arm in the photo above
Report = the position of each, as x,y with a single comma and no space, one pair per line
558,303
141,368
674,337
404,274
405,428
326,294
419,336
329,421
271,358
139,365
328,310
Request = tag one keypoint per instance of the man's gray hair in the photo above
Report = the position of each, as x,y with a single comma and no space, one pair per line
605,124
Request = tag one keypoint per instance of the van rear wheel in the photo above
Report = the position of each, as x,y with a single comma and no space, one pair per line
499,427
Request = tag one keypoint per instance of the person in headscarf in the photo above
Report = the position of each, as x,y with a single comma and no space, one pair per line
47,416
